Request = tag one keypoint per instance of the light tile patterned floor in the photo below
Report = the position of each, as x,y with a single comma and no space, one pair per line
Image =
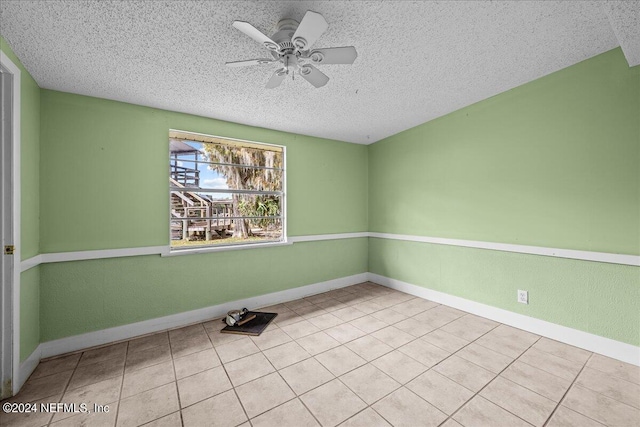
359,356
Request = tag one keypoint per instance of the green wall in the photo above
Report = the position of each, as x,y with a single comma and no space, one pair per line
30,333
104,185
85,296
104,182
552,163
30,203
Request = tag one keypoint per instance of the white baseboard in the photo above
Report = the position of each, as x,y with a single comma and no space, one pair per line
27,367
105,336
595,343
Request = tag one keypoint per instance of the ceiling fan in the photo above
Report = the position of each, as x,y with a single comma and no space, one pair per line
291,45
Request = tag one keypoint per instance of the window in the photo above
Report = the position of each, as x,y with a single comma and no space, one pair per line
224,191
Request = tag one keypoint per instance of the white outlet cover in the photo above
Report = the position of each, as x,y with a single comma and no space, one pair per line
523,296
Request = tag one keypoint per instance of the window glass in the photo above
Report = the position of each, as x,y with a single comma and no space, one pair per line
224,191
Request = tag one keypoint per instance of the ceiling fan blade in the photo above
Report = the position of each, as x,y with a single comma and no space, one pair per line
248,62
334,55
256,34
310,29
313,75
276,79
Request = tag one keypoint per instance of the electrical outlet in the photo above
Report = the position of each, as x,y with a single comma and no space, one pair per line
523,296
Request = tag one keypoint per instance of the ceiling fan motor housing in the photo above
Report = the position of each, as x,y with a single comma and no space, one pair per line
286,29
291,58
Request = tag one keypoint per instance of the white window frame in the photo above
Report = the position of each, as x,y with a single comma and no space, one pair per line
171,251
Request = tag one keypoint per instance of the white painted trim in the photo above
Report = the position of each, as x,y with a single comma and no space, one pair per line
29,365
608,347
319,237
91,339
285,196
16,130
165,250
100,254
30,263
506,247
207,249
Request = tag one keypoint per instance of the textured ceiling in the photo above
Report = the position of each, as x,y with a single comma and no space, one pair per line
624,17
416,60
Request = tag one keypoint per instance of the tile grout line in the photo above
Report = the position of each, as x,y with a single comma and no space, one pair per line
533,391
233,387
370,406
605,395
90,384
173,367
453,354
567,392
369,362
222,365
66,386
159,363
609,374
487,384
335,377
366,362
197,373
175,374
584,365
124,368
420,337
517,359
295,395
311,356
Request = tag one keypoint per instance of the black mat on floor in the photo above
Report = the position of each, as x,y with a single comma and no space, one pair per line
253,327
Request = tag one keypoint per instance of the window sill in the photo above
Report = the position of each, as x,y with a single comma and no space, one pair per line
178,252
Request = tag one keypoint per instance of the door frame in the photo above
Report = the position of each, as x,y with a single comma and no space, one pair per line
11,332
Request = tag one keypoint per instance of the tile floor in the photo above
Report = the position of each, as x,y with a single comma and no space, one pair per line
359,356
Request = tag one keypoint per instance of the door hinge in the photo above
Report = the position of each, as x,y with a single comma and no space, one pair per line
8,249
